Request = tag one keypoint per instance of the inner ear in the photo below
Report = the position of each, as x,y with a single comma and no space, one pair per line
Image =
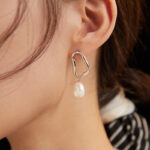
93,16
94,20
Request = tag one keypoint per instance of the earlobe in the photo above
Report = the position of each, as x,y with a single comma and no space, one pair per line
98,21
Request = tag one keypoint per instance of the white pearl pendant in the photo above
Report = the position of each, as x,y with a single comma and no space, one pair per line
79,90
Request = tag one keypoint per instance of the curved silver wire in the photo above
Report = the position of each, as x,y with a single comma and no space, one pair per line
75,65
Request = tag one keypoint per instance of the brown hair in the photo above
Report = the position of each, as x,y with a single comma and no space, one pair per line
112,65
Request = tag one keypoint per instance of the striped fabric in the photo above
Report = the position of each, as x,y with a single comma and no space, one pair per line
130,132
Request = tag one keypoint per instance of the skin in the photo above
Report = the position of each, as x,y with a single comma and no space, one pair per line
37,107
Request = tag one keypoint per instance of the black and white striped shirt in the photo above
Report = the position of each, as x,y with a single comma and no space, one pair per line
126,129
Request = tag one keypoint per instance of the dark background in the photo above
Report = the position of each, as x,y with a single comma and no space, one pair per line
140,59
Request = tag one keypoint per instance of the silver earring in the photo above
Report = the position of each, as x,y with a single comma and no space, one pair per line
79,90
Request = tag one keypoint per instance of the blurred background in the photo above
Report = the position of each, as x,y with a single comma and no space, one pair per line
140,59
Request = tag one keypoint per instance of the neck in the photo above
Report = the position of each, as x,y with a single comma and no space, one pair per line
74,124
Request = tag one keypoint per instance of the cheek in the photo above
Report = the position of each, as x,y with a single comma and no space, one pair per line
37,88
31,92
41,85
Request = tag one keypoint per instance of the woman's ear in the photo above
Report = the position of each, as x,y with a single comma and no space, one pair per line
98,18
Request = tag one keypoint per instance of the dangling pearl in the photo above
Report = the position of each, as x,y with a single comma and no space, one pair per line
79,90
